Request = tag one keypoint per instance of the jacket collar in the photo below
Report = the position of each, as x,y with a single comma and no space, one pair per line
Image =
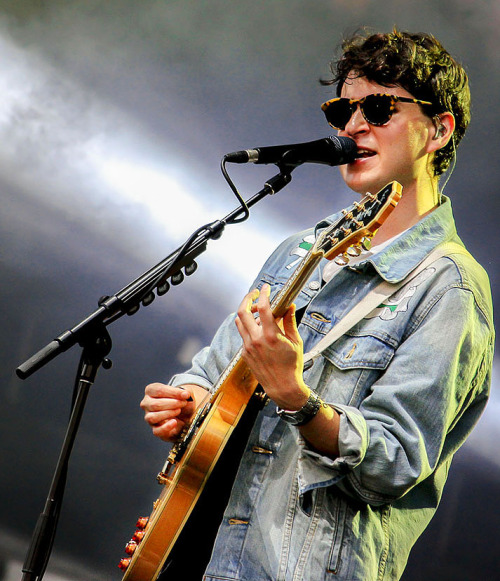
394,262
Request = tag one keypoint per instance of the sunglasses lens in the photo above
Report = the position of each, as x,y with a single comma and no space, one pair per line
338,113
377,109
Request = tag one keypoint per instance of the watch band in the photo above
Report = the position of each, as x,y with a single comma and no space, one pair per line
306,412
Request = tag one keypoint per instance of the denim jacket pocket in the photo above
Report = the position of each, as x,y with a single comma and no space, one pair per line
352,365
365,351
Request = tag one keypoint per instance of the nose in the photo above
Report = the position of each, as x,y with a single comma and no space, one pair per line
357,123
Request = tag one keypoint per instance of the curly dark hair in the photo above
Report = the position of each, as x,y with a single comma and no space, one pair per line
416,62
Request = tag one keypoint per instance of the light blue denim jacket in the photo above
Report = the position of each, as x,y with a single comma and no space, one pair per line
409,381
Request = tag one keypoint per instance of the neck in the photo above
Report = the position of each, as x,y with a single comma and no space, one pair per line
415,203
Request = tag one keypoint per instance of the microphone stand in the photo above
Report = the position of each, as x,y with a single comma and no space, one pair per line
93,337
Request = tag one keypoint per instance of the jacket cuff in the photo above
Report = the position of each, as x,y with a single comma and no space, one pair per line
183,378
317,470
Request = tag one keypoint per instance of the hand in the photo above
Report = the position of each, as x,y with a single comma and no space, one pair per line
167,409
272,350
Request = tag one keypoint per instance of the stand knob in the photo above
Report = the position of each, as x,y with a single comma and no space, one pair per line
107,363
177,278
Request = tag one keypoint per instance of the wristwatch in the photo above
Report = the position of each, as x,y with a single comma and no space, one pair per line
306,412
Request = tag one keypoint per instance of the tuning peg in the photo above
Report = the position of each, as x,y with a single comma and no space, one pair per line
366,243
342,259
354,250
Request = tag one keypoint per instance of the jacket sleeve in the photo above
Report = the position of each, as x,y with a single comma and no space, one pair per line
210,362
419,412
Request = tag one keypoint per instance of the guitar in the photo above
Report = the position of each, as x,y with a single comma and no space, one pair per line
197,450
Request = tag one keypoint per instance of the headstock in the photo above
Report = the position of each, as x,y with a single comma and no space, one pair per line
357,226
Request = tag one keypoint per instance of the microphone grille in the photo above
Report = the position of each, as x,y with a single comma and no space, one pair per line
345,146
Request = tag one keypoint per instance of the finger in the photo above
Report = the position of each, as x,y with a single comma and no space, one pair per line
247,305
264,308
160,391
158,417
242,330
158,404
290,324
245,320
186,395
168,430
164,390
149,403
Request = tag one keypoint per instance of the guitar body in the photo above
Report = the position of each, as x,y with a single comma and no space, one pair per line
196,453
184,486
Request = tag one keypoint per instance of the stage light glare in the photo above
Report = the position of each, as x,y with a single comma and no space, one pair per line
242,249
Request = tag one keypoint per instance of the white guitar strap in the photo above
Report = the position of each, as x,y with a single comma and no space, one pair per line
375,298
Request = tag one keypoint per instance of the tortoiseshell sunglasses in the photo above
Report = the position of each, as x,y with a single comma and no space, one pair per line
377,109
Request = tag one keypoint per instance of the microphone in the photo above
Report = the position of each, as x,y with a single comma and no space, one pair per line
329,150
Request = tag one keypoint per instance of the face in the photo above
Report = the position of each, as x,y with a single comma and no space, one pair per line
398,150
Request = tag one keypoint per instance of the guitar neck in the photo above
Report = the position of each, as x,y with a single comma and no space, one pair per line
279,306
294,284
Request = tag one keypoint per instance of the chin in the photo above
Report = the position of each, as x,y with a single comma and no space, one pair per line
362,186
363,182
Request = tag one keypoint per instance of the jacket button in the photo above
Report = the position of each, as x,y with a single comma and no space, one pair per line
314,285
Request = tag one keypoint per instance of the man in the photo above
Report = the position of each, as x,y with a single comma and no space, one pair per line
342,482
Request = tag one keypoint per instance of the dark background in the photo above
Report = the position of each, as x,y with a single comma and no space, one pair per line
114,115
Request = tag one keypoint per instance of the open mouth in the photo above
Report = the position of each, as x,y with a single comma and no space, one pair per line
364,153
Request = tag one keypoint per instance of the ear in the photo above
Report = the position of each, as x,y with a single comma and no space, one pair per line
442,130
